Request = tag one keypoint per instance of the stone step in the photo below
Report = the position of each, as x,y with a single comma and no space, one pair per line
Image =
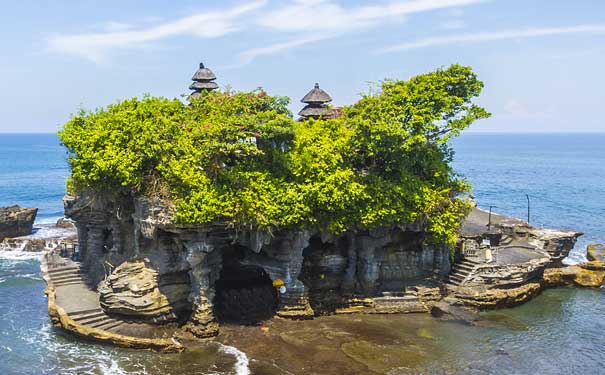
94,319
111,323
100,323
463,269
66,277
84,312
465,266
63,283
460,274
63,269
64,273
469,260
112,327
67,280
458,277
91,315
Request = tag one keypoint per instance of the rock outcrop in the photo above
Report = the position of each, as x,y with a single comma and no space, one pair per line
502,261
486,299
590,275
16,221
132,290
595,252
291,273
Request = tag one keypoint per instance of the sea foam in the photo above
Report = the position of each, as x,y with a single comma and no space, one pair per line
242,363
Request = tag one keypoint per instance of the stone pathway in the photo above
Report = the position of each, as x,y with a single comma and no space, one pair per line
81,304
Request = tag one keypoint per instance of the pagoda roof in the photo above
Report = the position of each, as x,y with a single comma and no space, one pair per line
311,110
316,95
203,74
200,85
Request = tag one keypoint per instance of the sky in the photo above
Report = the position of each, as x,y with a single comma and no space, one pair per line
541,61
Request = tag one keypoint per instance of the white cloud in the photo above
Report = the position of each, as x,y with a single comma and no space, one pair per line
315,20
96,46
305,22
248,56
315,16
497,35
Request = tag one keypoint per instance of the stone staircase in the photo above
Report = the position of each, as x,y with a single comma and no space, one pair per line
461,270
95,318
67,275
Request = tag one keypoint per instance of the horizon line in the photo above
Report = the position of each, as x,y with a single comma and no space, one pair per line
468,132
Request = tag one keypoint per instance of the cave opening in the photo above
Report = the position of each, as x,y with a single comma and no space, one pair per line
244,292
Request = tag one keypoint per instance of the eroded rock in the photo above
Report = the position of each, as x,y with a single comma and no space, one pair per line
16,221
484,299
133,290
590,275
595,252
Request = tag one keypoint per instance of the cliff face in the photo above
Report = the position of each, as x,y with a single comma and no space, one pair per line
209,274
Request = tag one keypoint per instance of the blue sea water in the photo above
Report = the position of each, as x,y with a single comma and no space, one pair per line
563,174
33,170
558,333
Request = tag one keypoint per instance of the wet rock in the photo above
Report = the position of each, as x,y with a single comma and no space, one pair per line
595,252
16,221
448,310
65,224
132,290
384,358
590,275
484,299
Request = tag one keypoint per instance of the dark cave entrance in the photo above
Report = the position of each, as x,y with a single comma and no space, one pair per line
244,293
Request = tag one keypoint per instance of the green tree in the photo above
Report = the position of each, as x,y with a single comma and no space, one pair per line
240,158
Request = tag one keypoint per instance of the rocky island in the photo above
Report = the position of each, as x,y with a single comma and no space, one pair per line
227,210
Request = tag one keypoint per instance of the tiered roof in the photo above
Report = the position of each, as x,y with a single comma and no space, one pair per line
316,102
203,80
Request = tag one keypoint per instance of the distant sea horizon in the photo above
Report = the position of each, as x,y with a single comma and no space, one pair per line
563,175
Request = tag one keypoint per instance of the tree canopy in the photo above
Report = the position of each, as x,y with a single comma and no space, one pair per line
241,159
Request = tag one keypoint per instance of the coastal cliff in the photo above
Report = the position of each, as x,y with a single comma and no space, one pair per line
199,275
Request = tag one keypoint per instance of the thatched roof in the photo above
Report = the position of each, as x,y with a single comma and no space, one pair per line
316,95
203,74
203,86
313,110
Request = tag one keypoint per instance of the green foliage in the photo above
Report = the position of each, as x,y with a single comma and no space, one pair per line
240,158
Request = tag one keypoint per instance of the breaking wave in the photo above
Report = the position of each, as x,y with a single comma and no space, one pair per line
242,363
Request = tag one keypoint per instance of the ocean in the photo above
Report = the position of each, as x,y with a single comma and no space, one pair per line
559,332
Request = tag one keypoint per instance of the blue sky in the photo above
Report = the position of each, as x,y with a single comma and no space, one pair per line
542,61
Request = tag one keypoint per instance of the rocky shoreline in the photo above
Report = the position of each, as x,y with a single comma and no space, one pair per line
142,269
145,270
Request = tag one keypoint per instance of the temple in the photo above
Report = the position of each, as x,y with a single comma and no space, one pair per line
203,80
317,105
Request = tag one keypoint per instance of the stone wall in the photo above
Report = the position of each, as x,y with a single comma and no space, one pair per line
318,273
